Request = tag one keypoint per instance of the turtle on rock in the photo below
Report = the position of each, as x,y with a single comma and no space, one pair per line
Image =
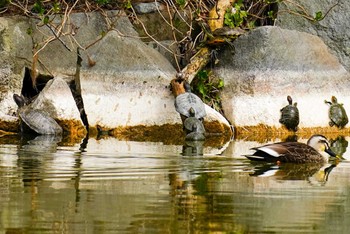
194,127
290,115
186,101
37,120
337,113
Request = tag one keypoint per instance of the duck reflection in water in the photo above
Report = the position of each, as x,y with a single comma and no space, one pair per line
293,171
295,160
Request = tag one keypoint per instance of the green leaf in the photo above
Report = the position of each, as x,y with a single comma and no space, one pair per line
181,3
318,16
46,19
38,8
220,84
202,89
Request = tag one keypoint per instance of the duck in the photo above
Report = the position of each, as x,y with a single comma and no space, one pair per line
316,150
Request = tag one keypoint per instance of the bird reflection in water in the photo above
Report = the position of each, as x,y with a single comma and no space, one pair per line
294,171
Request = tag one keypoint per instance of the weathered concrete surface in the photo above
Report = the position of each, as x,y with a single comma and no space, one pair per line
270,63
123,81
334,29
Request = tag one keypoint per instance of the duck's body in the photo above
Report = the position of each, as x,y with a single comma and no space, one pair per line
316,150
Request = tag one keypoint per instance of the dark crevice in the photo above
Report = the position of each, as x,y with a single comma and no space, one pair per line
29,89
76,91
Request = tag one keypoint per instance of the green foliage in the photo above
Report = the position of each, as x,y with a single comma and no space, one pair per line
102,2
30,31
235,17
318,16
56,7
181,3
38,8
4,3
127,5
208,87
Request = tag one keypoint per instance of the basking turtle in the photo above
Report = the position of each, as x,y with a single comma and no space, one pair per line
290,115
337,113
192,122
37,120
185,102
194,127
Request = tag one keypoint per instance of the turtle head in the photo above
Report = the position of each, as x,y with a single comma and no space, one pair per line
334,99
187,86
19,100
192,112
290,100
180,76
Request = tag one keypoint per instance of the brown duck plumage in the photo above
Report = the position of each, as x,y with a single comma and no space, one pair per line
295,152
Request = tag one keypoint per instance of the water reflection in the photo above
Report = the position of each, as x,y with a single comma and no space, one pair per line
106,185
339,145
290,171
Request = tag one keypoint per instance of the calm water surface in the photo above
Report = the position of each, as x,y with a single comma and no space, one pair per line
112,186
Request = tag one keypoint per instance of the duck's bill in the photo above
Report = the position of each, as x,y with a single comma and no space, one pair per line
330,152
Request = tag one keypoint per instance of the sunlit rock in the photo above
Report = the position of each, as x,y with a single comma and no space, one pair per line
334,28
123,81
57,99
270,63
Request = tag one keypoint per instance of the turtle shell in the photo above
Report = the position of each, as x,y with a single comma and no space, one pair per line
290,117
36,120
192,124
337,115
195,136
39,121
185,101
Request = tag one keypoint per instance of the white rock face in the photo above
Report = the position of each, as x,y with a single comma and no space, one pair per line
57,99
264,70
124,82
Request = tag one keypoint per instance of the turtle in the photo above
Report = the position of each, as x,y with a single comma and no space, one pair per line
187,101
37,120
195,135
194,127
337,113
290,115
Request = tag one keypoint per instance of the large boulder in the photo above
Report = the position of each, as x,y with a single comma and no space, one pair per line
334,29
123,82
57,99
270,63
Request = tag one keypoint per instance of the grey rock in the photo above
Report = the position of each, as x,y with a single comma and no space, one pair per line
270,63
334,29
124,82
147,7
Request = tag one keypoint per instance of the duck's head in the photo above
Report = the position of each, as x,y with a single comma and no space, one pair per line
321,144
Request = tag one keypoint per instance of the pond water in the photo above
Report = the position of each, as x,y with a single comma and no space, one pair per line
112,186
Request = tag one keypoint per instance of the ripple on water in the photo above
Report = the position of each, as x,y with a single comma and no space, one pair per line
116,186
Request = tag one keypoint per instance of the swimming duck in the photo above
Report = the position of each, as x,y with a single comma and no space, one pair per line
316,150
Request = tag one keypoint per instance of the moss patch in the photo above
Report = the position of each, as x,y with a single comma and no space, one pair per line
262,133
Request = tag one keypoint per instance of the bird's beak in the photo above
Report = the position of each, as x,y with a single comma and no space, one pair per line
330,152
